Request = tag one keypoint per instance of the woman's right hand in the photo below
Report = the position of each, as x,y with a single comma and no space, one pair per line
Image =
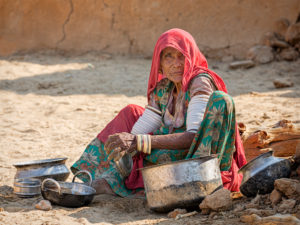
120,144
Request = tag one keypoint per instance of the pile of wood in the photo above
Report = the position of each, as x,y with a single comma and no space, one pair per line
283,139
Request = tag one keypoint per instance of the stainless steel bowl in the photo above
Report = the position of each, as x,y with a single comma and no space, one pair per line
41,169
124,165
28,187
182,183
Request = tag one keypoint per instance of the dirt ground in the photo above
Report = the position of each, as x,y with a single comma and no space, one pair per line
52,106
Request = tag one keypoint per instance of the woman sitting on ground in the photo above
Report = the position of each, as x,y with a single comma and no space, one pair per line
189,115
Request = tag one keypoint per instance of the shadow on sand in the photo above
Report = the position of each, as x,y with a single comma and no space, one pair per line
100,75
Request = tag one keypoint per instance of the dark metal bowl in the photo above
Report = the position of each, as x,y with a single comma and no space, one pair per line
68,194
260,173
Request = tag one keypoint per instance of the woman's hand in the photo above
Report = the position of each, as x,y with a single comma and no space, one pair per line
120,143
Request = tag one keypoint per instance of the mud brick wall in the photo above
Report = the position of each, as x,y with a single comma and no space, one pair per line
131,27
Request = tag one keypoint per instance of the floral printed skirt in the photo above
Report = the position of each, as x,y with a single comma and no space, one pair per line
215,136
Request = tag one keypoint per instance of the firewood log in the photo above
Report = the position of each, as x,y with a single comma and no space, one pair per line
283,138
285,148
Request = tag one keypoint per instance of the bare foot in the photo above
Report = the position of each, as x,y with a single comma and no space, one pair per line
102,187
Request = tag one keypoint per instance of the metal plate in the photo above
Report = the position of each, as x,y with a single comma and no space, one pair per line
39,162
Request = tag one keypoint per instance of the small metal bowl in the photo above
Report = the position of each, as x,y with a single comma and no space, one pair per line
124,165
27,187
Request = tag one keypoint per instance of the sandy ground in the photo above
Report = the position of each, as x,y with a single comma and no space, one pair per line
52,106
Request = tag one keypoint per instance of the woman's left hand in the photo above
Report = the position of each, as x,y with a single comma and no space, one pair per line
120,143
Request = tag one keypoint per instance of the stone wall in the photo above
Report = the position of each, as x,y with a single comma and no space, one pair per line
131,27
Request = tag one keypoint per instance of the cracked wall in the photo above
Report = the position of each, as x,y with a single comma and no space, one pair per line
132,27
65,23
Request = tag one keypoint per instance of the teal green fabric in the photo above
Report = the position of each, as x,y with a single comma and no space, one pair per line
216,134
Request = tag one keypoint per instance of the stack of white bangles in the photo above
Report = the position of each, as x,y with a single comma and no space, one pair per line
195,112
148,122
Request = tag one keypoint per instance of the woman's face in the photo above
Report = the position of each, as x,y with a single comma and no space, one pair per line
172,64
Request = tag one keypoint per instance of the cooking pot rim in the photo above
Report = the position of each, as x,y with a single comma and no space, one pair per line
204,159
264,155
59,184
90,190
40,162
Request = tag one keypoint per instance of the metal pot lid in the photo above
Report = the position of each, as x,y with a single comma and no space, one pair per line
40,162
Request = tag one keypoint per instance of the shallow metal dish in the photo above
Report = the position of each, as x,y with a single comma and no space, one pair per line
41,169
183,183
68,194
260,173
27,188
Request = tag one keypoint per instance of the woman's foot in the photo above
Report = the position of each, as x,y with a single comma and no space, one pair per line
102,187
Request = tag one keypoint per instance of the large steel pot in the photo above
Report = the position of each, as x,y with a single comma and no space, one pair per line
260,173
41,169
182,183
68,194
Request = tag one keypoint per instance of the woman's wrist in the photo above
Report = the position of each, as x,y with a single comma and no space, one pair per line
133,145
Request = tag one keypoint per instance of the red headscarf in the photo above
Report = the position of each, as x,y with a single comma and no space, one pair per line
195,63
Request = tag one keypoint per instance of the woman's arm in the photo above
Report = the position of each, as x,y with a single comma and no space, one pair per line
127,142
121,142
172,141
